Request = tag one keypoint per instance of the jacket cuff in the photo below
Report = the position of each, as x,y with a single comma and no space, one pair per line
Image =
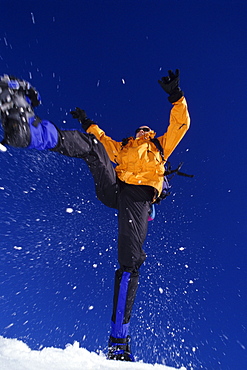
87,123
176,96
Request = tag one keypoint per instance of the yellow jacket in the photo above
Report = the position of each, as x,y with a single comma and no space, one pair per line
139,162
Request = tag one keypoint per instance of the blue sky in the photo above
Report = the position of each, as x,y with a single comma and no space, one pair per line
57,267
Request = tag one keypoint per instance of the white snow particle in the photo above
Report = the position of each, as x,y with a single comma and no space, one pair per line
90,308
9,326
32,16
241,345
95,265
3,148
123,81
18,248
69,210
161,290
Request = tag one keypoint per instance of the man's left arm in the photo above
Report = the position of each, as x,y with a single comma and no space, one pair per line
179,116
179,125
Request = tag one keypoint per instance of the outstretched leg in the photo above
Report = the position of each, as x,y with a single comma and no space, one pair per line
27,131
87,147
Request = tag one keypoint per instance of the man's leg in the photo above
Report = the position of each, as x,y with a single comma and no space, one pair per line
134,204
86,146
33,133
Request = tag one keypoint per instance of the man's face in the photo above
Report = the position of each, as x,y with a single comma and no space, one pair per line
141,131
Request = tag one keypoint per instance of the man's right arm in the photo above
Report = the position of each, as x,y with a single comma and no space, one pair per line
111,146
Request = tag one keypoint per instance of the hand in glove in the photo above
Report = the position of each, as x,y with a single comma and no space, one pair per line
171,86
81,116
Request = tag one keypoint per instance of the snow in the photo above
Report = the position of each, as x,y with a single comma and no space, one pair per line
69,210
3,148
15,354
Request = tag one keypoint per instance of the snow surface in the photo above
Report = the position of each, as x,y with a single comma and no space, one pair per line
14,354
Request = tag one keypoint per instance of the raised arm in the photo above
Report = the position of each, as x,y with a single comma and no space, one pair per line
179,116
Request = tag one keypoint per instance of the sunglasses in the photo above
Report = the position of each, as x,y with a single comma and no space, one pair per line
145,129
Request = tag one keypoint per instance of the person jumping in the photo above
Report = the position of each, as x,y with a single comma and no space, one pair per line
131,186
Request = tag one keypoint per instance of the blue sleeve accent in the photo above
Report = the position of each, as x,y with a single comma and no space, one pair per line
44,136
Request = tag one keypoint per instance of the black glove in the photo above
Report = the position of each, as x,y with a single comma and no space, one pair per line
81,116
171,86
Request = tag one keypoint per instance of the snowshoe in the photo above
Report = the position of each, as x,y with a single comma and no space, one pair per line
119,349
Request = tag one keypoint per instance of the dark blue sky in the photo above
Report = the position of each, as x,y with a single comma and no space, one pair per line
57,267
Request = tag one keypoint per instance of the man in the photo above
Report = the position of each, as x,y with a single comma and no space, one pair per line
131,187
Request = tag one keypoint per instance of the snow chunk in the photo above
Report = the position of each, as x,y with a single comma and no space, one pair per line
3,148
69,210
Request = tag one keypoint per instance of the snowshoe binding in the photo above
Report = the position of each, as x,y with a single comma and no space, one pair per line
119,349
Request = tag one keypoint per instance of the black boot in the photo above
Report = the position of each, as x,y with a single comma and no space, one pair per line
119,349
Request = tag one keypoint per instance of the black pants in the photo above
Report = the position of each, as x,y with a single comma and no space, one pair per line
133,204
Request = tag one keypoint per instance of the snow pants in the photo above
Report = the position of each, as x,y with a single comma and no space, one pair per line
133,204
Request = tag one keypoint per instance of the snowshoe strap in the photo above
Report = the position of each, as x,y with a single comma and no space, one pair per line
119,340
